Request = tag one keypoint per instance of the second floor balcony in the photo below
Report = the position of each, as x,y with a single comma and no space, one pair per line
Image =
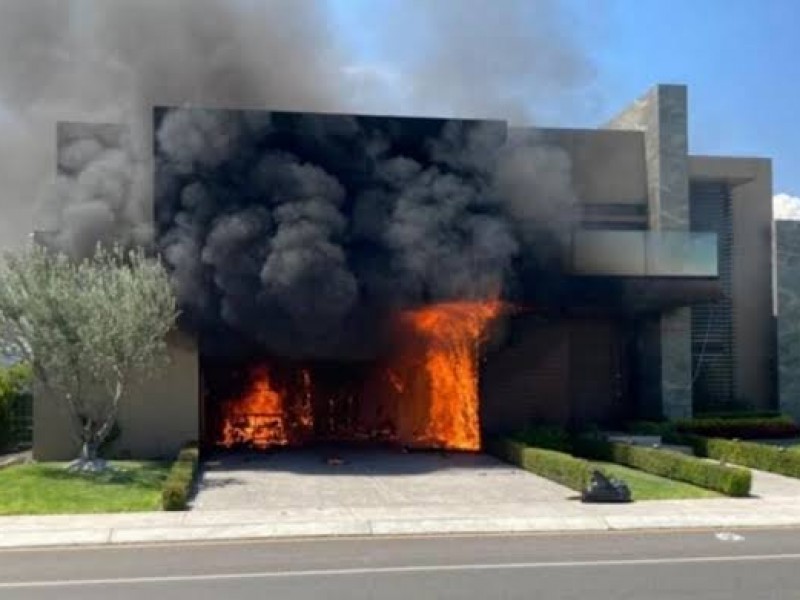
682,254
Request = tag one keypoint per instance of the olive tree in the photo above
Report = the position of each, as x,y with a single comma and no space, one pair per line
92,329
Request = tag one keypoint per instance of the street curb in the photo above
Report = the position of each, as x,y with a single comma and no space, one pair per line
42,538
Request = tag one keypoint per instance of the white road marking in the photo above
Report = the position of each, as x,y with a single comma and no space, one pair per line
727,536
398,570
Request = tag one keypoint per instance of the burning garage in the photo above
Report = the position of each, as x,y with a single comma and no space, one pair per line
425,282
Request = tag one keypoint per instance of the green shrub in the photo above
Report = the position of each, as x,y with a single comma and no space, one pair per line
174,496
731,481
748,454
190,453
562,468
178,485
15,400
547,437
744,428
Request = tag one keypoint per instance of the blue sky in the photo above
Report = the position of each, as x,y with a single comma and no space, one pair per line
740,59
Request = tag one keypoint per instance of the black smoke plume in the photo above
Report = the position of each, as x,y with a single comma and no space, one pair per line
293,237
306,232
111,61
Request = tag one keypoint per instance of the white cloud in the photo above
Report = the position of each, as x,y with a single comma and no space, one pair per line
786,207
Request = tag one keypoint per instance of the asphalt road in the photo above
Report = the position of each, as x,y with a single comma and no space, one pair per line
751,564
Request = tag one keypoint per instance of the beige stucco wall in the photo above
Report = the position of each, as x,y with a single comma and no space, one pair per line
753,328
51,434
155,419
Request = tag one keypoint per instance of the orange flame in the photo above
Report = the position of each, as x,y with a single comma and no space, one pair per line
440,396
425,396
257,417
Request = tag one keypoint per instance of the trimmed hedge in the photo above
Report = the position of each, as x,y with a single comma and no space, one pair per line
546,437
744,428
731,481
748,454
562,468
178,485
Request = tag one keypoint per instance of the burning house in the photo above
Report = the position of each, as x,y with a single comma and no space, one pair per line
425,282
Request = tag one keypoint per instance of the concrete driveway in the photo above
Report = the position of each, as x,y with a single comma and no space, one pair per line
354,479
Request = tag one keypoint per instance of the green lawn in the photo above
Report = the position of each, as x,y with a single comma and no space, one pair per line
645,486
47,488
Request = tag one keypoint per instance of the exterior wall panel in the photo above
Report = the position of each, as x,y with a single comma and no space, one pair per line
155,420
662,114
752,301
564,372
753,327
599,381
788,257
607,166
526,380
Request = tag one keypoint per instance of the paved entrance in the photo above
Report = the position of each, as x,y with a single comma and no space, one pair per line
380,479
374,493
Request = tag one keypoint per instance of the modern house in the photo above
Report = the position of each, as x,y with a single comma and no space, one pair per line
653,299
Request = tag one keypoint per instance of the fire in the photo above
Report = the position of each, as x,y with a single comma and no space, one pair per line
424,395
259,417
439,398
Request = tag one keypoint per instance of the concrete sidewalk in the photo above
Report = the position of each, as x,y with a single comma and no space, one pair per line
297,494
412,520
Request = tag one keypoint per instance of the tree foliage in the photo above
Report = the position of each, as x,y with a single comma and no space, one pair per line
91,329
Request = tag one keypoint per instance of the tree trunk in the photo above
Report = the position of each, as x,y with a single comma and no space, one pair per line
88,451
88,462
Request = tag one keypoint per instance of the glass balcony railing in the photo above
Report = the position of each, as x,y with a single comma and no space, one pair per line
645,253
